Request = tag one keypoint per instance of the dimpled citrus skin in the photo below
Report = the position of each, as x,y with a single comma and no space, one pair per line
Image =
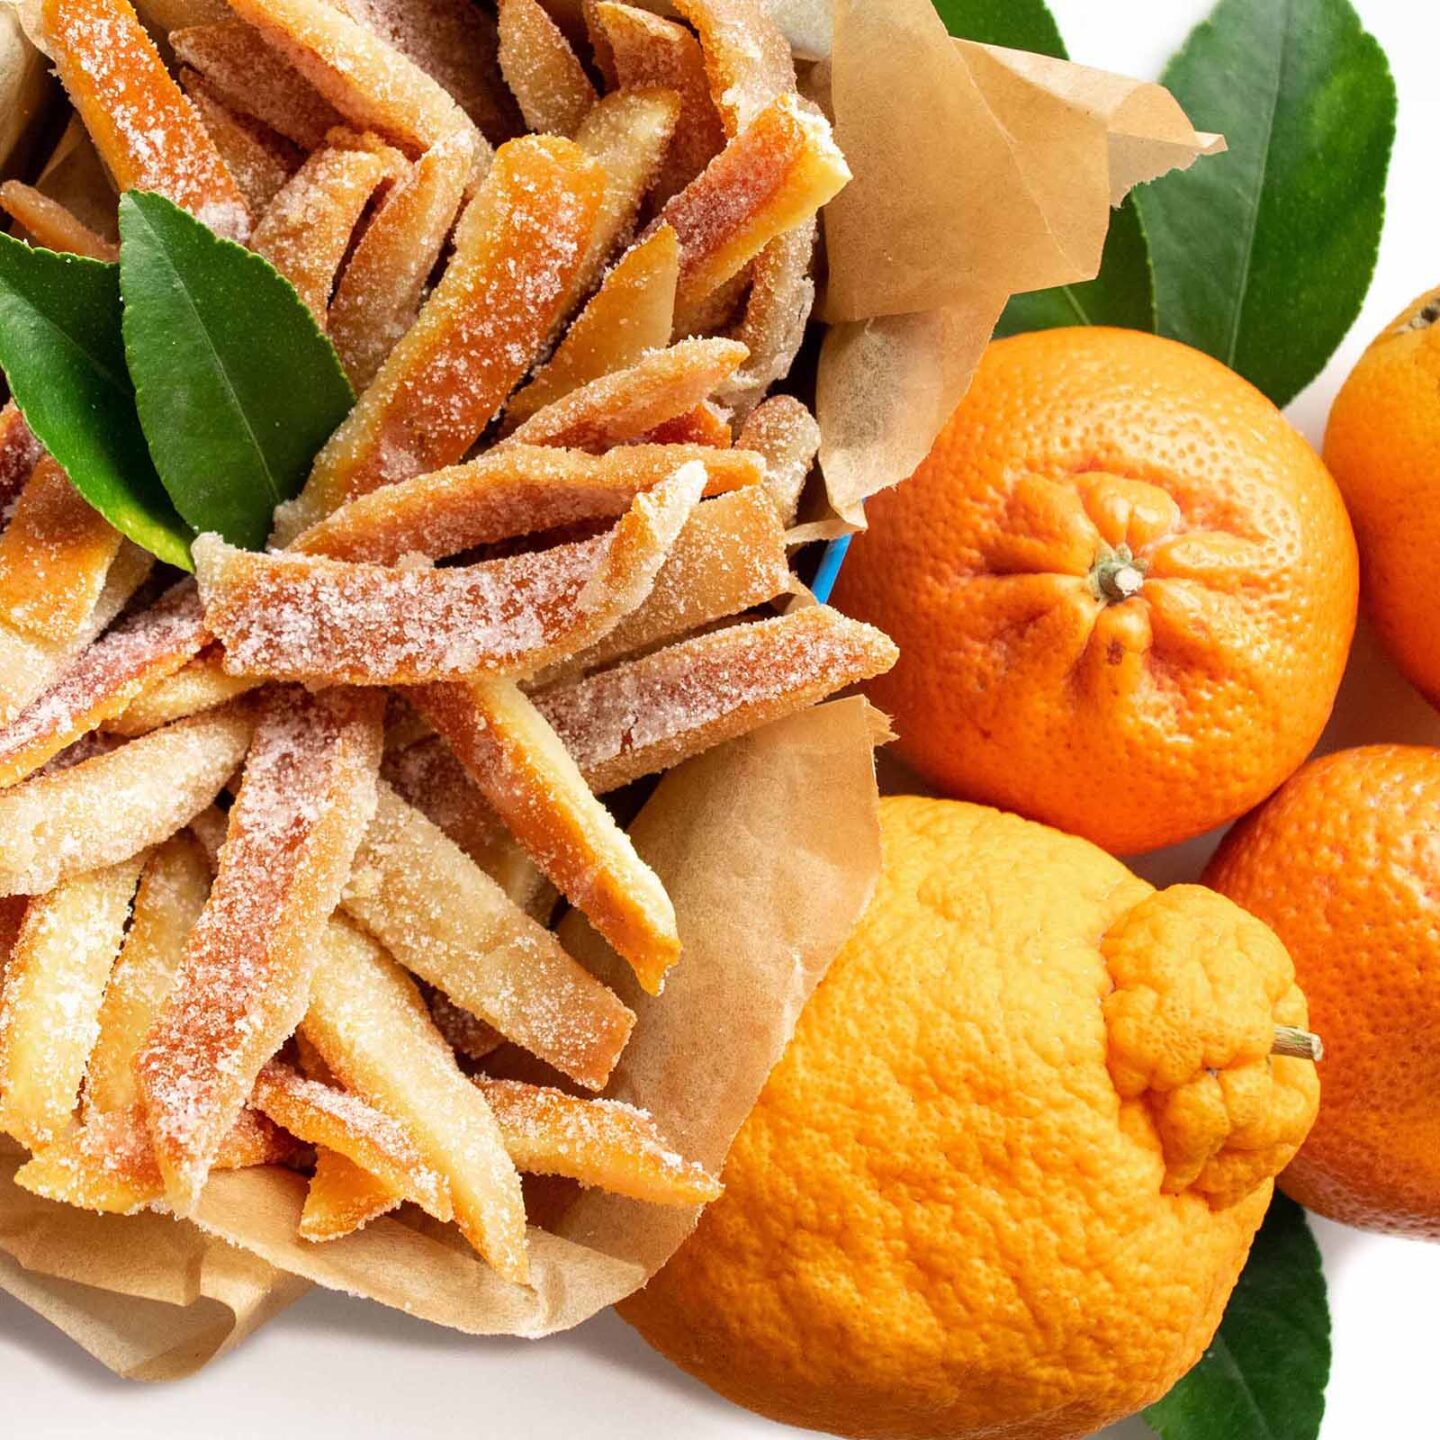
1382,444
1137,722
942,1218
1344,863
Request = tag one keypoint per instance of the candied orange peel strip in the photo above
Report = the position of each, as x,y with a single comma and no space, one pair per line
363,76
58,824
344,1124
51,225
448,922
55,555
650,50
174,885
511,491
370,1025
777,310
525,772
652,713
544,74
303,804
200,685
379,292
146,131
702,424
631,313
747,58
626,405
251,78
19,453
518,248
342,1198
788,436
54,984
260,159
307,230
773,176
103,680
297,617
604,1143
464,1033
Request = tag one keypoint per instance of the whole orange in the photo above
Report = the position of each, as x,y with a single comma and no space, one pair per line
1004,1177
1122,586
1382,444
1344,863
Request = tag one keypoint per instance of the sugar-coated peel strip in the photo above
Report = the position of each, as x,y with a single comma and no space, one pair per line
51,225
510,491
702,424
729,557
54,984
518,247
252,79
28,663
304,801
650,50
103,680
747,58
326,1115
173,888
631,313
788,436
444,919
466,1035
308,227
260,159
102,811
200,685
146,131
342,1198
771,177
525,772
370,1024
304,618
380,289
427,776
54,556
19,452
627,134
652,713
108,1163
455,42
604,1143
544,74
363,76
629,403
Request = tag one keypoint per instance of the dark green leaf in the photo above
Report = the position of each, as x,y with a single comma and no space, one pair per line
1121,294
236,384
1020,24
61,351
1263,255
1263,1377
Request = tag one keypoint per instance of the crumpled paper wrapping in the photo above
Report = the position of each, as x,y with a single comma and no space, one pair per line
769,847
978,172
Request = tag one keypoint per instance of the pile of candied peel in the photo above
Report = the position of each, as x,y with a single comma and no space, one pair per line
281,843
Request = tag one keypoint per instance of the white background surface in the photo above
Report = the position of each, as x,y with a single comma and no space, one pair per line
332,1367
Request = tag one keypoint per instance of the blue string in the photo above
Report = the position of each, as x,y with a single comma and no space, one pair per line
831,560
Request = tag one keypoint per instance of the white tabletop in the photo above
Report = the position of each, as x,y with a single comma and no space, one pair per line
332,1367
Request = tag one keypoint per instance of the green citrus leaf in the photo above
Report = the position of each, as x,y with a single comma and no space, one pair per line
1121,294
1263,1377
1263,255
61,352
1020,24
236,385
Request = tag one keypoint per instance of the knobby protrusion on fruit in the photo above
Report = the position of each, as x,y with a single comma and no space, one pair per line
1301,1044
1116,576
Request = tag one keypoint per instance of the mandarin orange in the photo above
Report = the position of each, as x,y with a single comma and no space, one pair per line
1004,1178
1344,863
1122,586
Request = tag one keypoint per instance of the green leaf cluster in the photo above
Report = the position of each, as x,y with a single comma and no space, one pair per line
186,388
1261,256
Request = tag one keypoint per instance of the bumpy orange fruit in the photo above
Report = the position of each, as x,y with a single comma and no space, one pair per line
1344,863
1006,1174
1122,586
1383,446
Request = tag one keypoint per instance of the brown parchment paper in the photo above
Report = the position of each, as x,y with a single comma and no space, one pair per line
769,847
